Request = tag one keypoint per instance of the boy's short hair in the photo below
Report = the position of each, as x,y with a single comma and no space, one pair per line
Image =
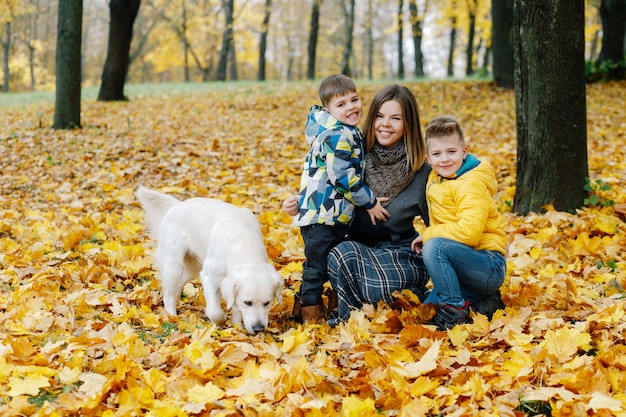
444,126
335,85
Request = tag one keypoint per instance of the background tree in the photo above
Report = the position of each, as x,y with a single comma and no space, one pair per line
613,15
550,105
400,15
502,42
452,46
263,40
68,94
416,30
347,53
176,40
6,46
368,44
227,39
313,34
472,9
123,14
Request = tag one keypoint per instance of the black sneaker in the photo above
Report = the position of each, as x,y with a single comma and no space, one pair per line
449,316
488,305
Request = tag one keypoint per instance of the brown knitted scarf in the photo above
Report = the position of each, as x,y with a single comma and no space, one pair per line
387,170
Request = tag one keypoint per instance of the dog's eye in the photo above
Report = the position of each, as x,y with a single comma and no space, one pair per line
265,304
248,303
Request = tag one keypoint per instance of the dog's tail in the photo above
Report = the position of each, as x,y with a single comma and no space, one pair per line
155,205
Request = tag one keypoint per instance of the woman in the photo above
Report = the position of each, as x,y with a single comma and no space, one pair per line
377,260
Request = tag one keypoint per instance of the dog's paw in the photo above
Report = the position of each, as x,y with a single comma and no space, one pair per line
218,318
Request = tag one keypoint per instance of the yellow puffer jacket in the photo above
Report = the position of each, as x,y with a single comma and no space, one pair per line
462,209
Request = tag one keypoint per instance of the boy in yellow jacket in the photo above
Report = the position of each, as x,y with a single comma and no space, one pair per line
464,246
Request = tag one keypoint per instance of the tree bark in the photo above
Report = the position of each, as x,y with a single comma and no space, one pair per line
347,53
263,40
550,105
6,45
400,41
613,16
416,27
69,33
123,14
369,41
469,51
502,42
452,47
313,34
227,40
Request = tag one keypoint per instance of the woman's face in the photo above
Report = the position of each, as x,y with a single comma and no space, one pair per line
389,123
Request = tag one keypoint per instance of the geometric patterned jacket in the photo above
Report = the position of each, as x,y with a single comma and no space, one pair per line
332,175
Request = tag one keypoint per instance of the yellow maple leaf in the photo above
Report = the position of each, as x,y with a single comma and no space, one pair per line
200,354
29,384
202,394
565,342
427,363
423,385
296,341
355,407
517,363
93,384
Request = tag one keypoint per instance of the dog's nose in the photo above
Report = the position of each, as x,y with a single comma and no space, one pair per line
258,328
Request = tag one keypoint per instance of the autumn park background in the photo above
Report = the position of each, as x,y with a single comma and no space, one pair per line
82,328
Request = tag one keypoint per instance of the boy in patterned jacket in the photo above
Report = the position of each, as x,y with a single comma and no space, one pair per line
331,187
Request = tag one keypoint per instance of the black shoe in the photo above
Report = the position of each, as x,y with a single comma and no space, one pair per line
449,316
488,305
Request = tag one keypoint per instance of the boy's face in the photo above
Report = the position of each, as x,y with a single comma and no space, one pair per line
346,108
446,154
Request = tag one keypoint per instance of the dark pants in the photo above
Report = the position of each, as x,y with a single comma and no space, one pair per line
318,239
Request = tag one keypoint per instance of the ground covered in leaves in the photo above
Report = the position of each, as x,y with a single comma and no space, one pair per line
82,327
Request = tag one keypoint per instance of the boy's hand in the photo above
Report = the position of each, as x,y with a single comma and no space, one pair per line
290,205
416,245
378,212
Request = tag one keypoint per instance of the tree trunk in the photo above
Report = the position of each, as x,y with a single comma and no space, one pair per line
452,47
613,16
369,41
227,39
123,14
469,51
69,33
183,29
400,41
416,27
550,105
502,42
263,41
313,34
347,53
6,45
232,63
32,39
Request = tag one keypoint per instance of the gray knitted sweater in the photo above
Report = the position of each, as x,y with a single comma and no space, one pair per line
398,229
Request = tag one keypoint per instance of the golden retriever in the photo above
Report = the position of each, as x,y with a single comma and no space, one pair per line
220,243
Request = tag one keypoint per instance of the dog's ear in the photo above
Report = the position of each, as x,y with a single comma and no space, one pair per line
228,288
278,289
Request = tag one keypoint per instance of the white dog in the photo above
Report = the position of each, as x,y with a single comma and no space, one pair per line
220,243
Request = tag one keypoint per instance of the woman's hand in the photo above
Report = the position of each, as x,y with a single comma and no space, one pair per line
290,205
378,212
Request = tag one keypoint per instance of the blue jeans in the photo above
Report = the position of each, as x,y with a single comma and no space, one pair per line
461,273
